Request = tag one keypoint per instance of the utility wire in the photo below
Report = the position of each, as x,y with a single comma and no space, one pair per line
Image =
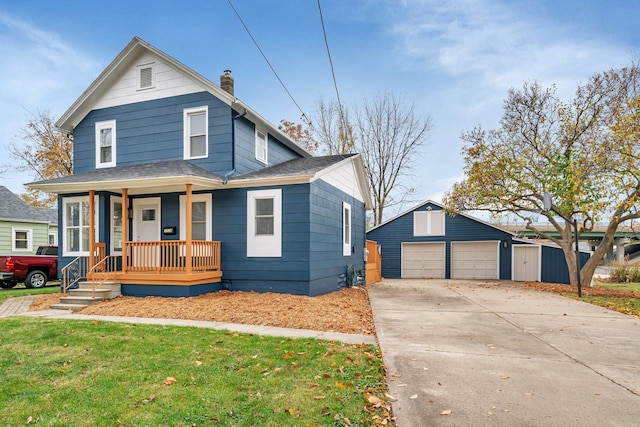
333,74
303,116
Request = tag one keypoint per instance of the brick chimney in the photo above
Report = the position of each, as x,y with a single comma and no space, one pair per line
226,82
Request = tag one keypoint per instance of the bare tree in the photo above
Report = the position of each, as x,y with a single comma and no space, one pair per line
332,127
45,152
389,135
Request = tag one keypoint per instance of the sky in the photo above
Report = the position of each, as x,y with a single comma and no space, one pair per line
454,61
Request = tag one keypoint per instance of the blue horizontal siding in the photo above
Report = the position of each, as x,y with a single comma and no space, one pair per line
459,228
168,290
152,131
554,265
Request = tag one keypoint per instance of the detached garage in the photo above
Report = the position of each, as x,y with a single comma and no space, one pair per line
427,243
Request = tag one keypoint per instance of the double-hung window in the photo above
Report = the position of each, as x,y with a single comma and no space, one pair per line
201,217
196,125
264,223
105,144
75,220
116,225
261,146
21,240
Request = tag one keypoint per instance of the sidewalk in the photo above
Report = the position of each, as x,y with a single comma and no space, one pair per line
20,306
15,305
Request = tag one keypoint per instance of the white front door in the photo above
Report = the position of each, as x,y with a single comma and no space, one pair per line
146,220
146,228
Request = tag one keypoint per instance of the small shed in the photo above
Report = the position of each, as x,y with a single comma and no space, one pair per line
426,242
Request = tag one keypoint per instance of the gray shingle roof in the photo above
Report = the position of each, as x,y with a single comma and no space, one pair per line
165,169
300,166
13,207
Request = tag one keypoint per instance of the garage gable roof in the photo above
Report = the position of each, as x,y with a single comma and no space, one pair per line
431,202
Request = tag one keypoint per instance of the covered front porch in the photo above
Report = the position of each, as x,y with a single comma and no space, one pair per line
182,267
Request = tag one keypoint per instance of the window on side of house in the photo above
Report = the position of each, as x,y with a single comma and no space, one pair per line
146,76
428,223
106,144
196,134
21,240
261,146
201,217
75,222
346,229
116,225
264,223
53,238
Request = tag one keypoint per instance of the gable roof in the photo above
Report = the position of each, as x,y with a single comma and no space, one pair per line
136,47
421,204
13,208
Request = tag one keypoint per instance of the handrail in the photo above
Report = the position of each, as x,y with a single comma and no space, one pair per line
73,272
102,268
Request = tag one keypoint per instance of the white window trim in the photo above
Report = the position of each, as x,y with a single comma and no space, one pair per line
264,160
139,69
29,232
186,143
114,200
183,214
264,246
55,237
428,218
80,199
346,222
108,124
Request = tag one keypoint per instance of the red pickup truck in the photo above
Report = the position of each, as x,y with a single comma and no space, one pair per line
33,270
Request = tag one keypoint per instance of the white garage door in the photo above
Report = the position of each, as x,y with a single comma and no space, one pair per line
526,265
423,260
474,260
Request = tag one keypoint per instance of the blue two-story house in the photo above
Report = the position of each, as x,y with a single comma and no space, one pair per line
188,190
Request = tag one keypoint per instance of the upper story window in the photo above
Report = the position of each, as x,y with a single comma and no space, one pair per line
146,76
105,144
428,223
261,146
196,125
21,239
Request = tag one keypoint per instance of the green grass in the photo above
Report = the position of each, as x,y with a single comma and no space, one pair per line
623,305
20,292
73,373
623,286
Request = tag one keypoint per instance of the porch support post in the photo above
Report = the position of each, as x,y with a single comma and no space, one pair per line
188,233
92,229
125,229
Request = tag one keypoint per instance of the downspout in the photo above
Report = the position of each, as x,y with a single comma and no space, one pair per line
233,147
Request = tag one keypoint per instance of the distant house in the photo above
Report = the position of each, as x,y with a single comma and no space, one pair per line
22,227
426,242
189,190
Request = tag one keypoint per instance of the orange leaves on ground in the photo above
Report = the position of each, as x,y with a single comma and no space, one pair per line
169,380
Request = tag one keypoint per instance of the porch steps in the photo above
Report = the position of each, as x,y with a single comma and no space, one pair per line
81,297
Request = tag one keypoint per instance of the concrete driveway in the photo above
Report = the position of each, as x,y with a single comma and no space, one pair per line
473,353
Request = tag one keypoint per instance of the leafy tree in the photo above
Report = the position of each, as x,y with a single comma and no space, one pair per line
584,153
302,136
45,152
386,132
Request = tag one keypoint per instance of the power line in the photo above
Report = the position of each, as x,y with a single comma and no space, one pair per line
303,116
333,74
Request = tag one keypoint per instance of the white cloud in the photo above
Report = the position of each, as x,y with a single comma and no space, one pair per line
40,71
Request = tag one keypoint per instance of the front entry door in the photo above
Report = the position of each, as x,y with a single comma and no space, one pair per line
146,220
146,228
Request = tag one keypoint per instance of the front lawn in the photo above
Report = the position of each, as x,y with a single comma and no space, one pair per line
20,292
67,372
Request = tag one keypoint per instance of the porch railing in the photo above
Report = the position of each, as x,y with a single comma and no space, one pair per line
102,271
170,256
